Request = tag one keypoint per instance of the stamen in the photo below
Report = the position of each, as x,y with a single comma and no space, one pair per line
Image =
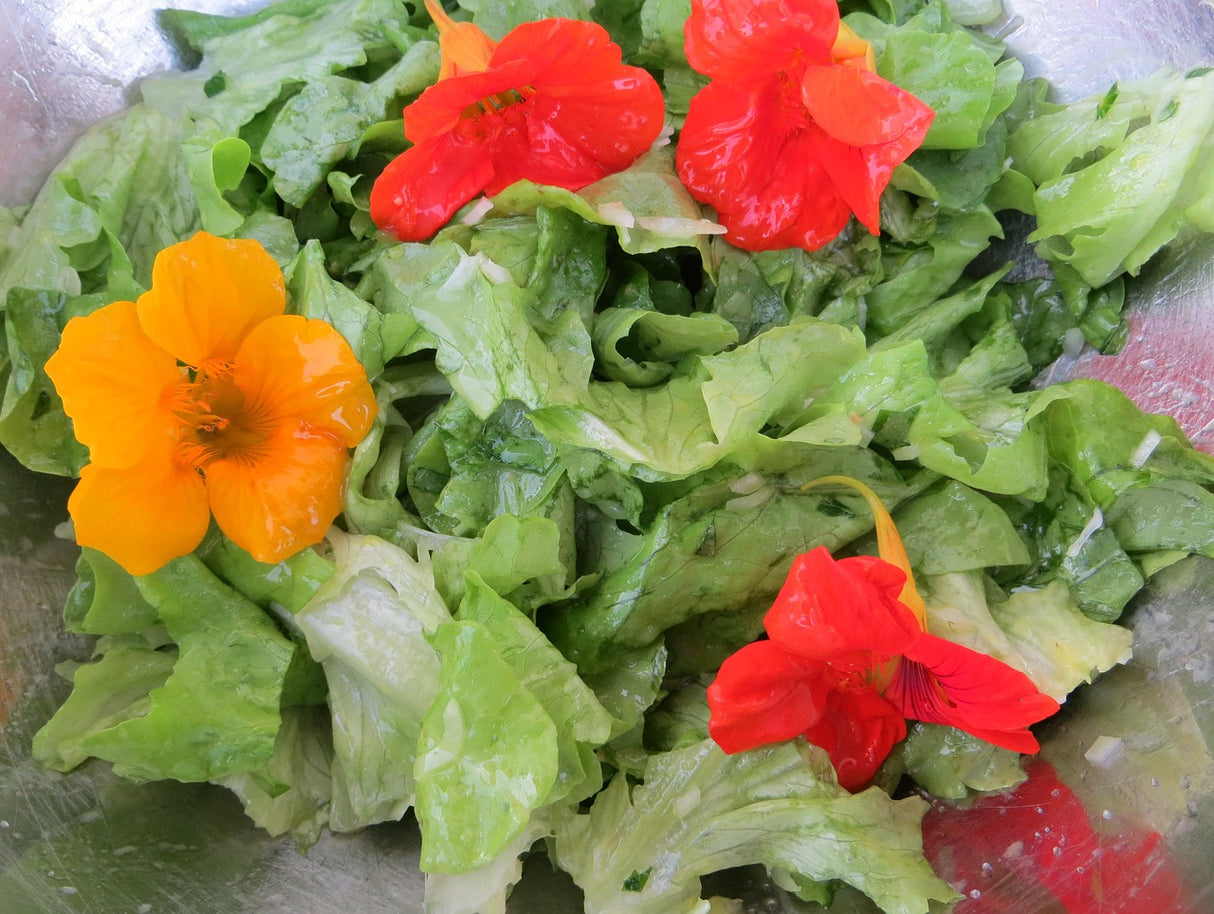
214,419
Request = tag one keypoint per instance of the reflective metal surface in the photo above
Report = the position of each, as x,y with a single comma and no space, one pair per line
1136,751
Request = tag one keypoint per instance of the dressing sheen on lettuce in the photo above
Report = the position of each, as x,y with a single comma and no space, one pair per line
583,486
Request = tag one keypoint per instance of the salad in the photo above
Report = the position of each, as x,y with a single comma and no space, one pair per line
617,493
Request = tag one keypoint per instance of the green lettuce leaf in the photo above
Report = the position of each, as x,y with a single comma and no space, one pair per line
1040,631
1121,174
290,795
367,626
217,713
324,122
582,723
951,764
643,848
487,755
105,693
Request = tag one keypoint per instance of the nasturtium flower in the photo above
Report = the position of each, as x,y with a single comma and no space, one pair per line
848,659
795,131
551,103
205,398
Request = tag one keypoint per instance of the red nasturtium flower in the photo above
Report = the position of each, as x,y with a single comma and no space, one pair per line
550,103
204,397
795,131
848,659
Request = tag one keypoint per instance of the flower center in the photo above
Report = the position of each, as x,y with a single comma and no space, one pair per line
215,419
491,104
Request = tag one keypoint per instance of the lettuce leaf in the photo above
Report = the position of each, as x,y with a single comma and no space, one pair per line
216,713
367,626
487,754
1121,174
698,810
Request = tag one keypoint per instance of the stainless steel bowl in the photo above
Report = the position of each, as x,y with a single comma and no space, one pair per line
90,842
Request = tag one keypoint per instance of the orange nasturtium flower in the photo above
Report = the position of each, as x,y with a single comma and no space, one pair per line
550,103
795,131
848,659
204,397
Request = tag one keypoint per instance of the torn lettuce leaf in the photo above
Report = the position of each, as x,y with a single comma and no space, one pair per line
643,848
1120,175
208,712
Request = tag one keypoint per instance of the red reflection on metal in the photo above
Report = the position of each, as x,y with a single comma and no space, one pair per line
1035,850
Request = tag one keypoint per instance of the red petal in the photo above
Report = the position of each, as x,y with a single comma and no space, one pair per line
828,609
585,114
857,107
857,730
873,126
731,141
419,190
556,106
743,39
735,153
441,107
946,683
763,695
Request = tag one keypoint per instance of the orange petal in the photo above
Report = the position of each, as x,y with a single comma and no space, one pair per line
283,501
207,294
141,516
463,46
111,377
851,50
291,367
889,543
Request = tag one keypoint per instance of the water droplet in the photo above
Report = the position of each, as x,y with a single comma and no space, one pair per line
1107,814
975,893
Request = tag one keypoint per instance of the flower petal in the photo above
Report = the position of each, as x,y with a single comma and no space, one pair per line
449,104
555,105
464,47
858,729
856,107
743,39
942,682
730,141
141,516
874,126
584,99
889,541
830,609
734,152
763,694
419,190
290,367
207,293
850,50
110,377
285,500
